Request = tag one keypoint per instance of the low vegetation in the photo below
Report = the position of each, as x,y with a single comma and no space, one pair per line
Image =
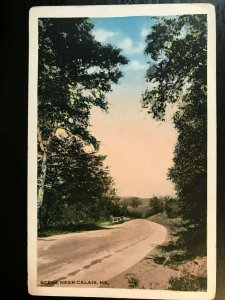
188,283
133,282
182,252
67,229
174,255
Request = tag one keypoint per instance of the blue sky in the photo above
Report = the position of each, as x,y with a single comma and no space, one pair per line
139,149
127,33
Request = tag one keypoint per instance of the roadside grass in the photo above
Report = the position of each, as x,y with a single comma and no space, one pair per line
55,230
70,228
188,283
133,282
174,256
171,253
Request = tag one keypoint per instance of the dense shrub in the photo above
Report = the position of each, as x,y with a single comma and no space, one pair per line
156,205
133,282
188,283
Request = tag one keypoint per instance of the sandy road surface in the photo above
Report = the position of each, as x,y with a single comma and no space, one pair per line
88,258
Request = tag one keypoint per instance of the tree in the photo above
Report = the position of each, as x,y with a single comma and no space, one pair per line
134,202
81,184
75,72
172,208
156,205
178,75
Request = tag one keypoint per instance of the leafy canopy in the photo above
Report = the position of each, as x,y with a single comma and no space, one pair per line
75,72
178,76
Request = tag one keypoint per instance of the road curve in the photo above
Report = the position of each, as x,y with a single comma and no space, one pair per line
87,258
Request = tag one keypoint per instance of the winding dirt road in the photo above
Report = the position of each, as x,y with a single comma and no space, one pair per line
90,259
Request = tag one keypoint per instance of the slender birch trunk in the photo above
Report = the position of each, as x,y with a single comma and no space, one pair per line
42,176
43,172
40,193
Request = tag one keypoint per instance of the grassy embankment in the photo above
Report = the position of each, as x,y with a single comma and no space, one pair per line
68,229
192,269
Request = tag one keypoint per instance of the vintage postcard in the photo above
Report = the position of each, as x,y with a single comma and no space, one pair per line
122,151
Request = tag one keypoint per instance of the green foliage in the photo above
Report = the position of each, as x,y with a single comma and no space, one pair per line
178,50
75,72
130,207
159,259
161,204
63,229
193,240
134,202
80,186
172,208
124,203
135,214
156,205
188,283
133,283
177,47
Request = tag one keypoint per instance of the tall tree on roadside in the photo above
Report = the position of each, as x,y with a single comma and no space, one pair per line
178,75
75,72
79,183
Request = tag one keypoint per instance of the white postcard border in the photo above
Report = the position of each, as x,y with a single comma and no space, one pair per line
119,11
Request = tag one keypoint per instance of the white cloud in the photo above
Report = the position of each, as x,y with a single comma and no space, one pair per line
103,35
136,65
144,32
128,46
139,48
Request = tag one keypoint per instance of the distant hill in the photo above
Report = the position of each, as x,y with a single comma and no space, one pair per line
143,208
144,201
128,197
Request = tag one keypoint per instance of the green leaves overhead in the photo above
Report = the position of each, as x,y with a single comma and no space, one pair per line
75,72
178,50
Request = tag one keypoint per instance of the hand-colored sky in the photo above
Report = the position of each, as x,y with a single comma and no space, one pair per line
139,149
